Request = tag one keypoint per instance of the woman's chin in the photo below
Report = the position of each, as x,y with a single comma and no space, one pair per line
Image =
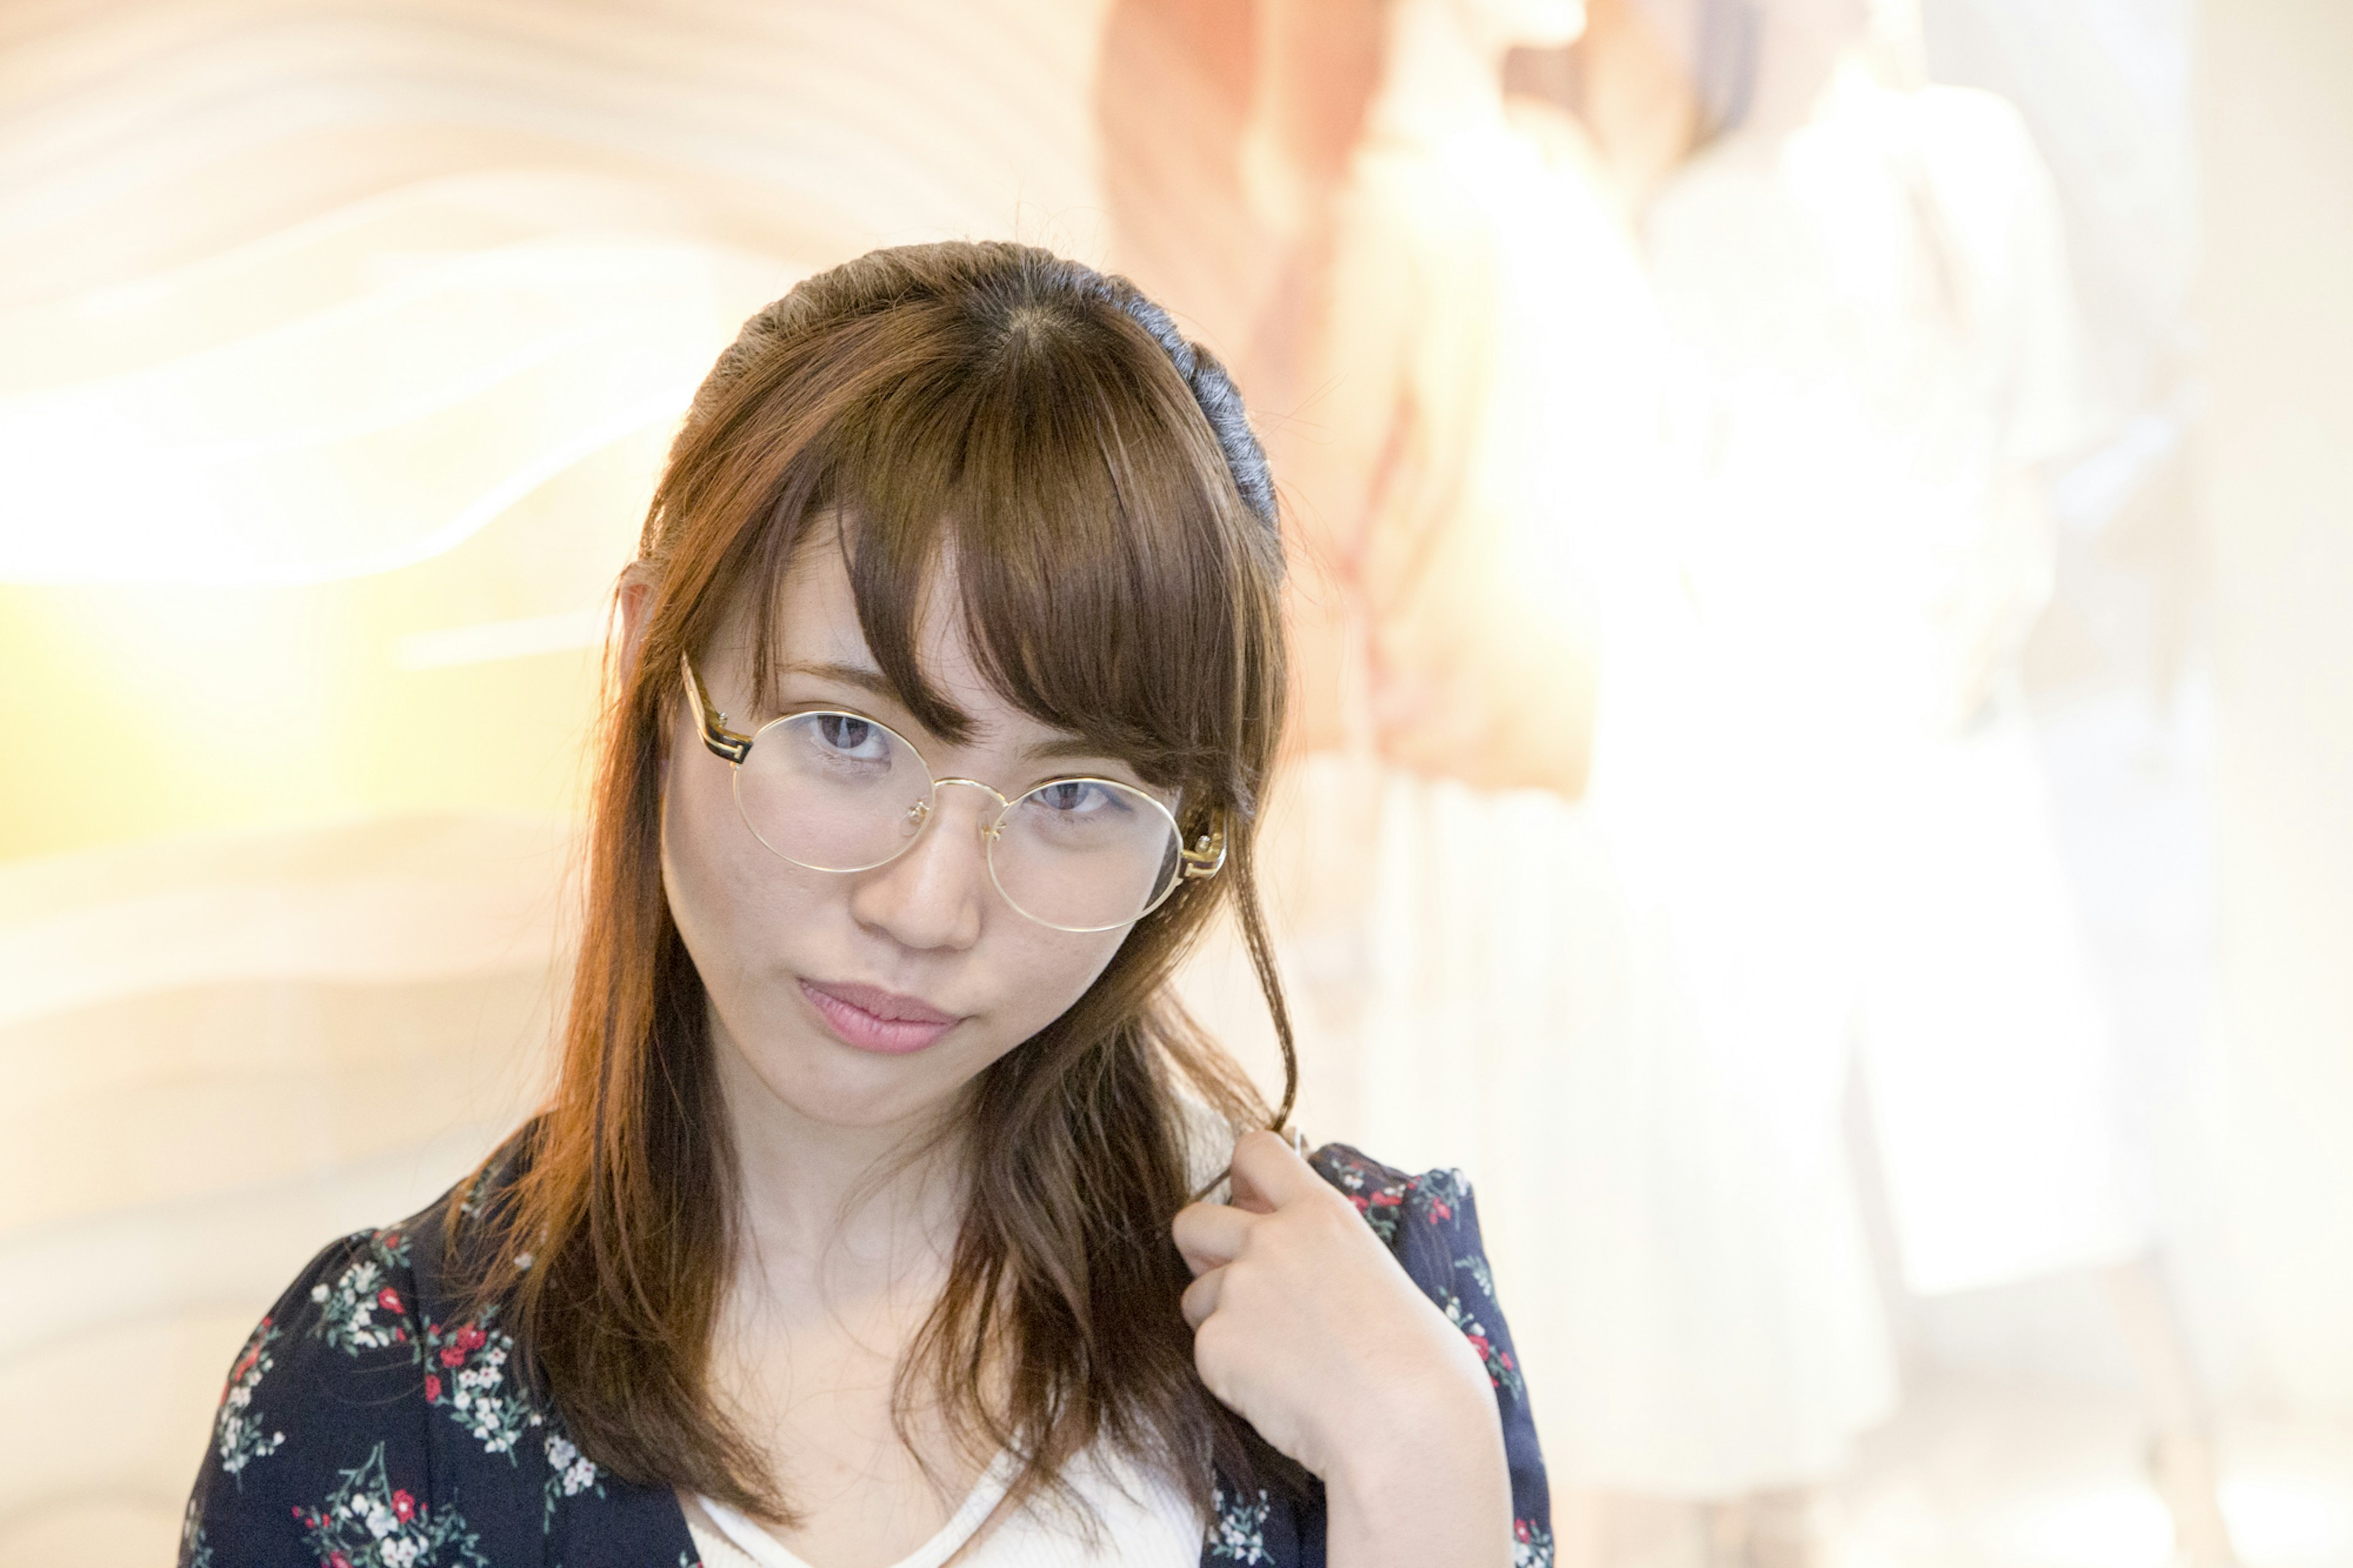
818,1079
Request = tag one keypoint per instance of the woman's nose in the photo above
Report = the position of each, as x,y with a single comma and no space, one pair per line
932,896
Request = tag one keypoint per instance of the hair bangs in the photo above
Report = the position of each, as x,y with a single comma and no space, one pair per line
1056,478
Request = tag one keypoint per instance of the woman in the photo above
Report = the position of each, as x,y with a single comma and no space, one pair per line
856,1231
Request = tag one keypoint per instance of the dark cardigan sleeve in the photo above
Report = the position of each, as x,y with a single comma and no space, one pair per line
1431,1224
319,1451
376,1420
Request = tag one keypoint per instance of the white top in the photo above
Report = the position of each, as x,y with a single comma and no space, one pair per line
1144,1522
1881,344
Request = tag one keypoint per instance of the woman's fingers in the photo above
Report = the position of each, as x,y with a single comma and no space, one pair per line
1268,1173
1201,1297
1210,1234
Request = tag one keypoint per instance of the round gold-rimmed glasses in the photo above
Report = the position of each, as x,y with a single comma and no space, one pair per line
832,790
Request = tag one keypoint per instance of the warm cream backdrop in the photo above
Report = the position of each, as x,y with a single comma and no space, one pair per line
370,324
2277,496
338,346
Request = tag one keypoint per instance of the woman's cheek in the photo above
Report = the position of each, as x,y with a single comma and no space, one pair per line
716,894
1054,970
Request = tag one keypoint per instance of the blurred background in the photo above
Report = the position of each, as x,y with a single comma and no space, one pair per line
1825,709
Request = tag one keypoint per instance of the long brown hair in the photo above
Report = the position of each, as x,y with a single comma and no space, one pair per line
1119,567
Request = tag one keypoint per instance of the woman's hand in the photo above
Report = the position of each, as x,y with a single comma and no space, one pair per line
1305,1325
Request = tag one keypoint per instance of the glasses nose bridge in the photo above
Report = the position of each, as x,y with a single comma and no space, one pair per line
990,825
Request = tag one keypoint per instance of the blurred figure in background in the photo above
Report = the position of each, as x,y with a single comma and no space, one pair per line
1866,277
1525,859
1458,442
1627,810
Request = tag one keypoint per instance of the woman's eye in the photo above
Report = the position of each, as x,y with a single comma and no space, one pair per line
851,737
1074,797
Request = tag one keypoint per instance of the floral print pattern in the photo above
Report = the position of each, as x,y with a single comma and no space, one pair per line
466,1371
465,1366
239,1433
193,1550
1501,1371
1379,1200
570,1472
1434,1195
1238,1528
368,1522
1383,1196
349,1307
352,1469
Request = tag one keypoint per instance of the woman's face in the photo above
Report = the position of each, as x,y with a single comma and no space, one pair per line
799,964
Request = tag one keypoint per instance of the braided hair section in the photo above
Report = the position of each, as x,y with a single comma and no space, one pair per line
881,278
1212,388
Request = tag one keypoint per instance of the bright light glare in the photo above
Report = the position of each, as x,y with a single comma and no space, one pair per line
2108,1526
490,641
2279,1521
360,438
2276,1521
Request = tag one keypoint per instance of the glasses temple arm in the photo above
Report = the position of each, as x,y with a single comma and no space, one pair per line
1206,856
721,740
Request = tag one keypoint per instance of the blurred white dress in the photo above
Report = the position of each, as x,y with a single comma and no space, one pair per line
1878,344
1520,985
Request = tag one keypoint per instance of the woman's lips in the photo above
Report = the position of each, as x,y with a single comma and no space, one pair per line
876,1020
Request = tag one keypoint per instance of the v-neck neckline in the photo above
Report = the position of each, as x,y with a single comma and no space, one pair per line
763,1549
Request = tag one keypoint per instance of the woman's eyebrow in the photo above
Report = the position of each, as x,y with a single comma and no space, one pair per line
861,676
1069,746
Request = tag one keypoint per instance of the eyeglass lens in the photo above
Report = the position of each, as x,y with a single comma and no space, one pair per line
837,793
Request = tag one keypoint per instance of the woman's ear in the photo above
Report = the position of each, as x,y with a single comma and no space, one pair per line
633,595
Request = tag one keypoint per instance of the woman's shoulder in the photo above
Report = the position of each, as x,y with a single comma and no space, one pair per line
1386,1195
320,1430
1430,1223
378,1418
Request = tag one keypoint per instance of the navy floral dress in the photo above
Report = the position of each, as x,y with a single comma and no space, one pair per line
363,1426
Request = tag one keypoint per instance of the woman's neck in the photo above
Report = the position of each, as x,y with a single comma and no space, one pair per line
860,1205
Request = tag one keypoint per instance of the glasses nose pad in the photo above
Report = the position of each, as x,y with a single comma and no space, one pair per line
913,822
